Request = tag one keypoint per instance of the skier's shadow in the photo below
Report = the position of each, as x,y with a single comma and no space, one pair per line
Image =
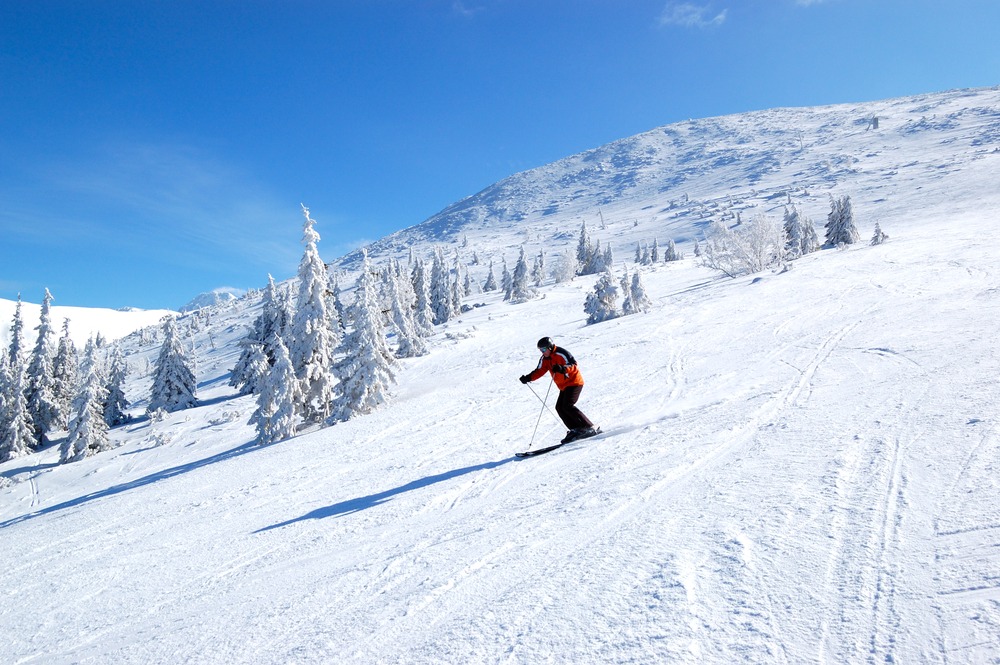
372,500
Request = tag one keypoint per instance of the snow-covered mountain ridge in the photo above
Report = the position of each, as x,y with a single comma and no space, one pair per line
798,467
667,182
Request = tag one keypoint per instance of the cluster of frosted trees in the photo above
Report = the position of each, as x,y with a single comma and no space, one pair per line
764,242
51,388
310,360
521,285
613,297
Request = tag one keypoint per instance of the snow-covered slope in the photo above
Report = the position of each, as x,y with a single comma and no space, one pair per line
84,322
798,467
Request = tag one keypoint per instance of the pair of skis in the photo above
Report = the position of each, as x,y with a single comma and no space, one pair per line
541,451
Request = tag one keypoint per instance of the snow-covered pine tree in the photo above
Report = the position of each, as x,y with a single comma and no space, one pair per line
584,248
16,431
879,236
366,370
456,293
334,305
313,338
793,233
276,398
88,432
654,253
624,284
602,303
595,261
42,402
174,384
840,228
466,284
538,269
506,282
638,253
65,376
423,315
491,281
521,288
670,253
440,294
116,405
409,342
15,350
638,299
272,320
5,379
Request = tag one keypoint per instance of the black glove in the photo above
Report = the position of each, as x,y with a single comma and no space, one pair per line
524,379
559,369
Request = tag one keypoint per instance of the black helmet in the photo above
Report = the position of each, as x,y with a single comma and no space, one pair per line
545,343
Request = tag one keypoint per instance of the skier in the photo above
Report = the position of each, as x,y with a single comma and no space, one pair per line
566,374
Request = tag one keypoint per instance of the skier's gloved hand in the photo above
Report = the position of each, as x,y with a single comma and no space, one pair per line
524,379
559,369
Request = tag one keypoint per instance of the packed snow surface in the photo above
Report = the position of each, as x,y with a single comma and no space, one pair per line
797,467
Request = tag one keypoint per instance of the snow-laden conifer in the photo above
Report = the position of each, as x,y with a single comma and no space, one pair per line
334,305
491,281
366,370
65,376
423,314
456,294
313,339
440,290
16,430
42,401
88,431
15,350
274,320
174,384
800,234
276,398
584,250
654,253
409,341
670,253
879,236
538,269
116,404
521,287
506,282
602,303
840,228
638,300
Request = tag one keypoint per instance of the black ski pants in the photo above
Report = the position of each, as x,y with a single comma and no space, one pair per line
566,408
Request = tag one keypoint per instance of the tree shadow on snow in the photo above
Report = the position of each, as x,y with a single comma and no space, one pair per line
131,485
372,500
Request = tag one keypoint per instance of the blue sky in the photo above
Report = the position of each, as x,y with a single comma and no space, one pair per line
151,151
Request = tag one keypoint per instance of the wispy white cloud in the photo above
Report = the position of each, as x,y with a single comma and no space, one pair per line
178,196
464,9
690,15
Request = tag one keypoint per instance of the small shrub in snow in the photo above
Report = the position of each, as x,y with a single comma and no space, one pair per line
745,249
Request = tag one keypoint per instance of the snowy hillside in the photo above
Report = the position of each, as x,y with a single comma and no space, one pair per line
84,322
797,467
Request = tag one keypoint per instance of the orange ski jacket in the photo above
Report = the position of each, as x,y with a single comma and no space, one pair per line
563,358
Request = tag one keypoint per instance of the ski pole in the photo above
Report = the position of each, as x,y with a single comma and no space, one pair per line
544,406
544,402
